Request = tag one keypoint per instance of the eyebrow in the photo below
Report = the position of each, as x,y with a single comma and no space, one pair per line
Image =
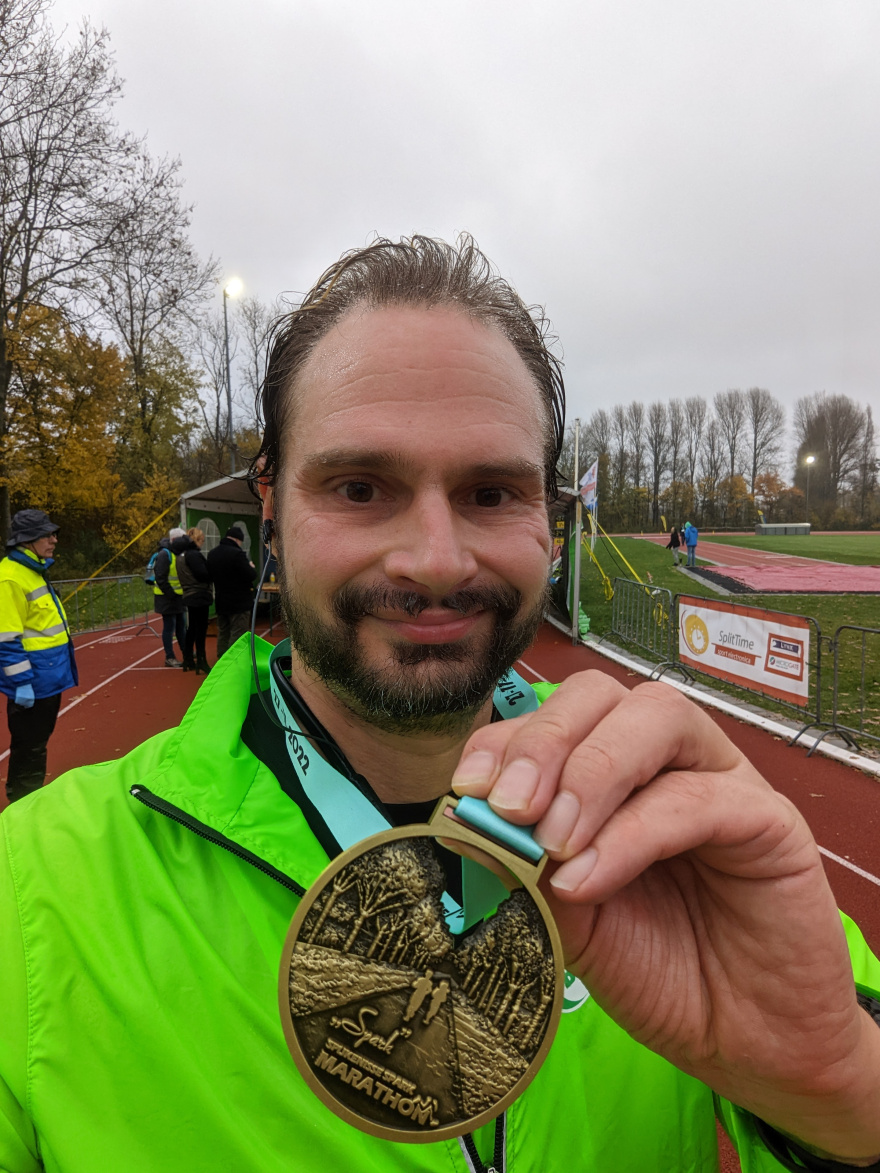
373,460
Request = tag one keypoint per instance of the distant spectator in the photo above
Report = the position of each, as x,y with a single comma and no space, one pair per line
233,576
674,544
690,540
195,578
168,595
36,651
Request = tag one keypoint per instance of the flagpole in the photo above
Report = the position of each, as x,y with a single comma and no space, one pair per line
578,525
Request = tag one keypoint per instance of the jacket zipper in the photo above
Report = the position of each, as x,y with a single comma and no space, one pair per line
498,1158
205,832
178,816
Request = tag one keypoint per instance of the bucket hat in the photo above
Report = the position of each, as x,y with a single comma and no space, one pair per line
28,525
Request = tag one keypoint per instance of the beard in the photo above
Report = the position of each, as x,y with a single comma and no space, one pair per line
422,688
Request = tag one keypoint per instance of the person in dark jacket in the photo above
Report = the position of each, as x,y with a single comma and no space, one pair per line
168,594
233,574
674,544
195,579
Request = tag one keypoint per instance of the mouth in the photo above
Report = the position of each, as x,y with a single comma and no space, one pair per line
433,625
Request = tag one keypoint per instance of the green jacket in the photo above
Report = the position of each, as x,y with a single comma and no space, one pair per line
139,990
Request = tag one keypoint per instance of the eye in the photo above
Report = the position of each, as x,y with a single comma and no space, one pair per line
358,491
491,498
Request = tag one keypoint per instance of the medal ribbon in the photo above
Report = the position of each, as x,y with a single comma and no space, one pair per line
351,817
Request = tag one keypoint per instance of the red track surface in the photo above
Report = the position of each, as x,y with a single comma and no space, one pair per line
125,696
764,570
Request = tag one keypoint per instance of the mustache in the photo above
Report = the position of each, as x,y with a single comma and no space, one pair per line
353,602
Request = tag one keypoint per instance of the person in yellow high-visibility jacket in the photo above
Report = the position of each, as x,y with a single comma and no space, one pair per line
36,652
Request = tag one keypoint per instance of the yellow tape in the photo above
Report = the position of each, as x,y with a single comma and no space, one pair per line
118,552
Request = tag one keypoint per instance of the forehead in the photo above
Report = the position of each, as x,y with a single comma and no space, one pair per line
415,374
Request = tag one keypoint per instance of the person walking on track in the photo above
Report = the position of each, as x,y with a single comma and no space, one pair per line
36,651
168,596
232,574
690,540
195,580
674,544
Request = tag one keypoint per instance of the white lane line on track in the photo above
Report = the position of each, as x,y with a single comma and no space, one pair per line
85,695
111,636
852,867
537,675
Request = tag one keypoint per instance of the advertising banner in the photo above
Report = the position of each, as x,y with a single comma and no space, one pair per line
766,651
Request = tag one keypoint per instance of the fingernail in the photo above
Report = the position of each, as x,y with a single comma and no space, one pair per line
554,830
514,789
474,772
575,871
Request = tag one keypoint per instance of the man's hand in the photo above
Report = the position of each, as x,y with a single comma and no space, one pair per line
24,696
692,901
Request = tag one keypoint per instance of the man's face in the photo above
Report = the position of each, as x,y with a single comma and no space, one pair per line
44,547
412,526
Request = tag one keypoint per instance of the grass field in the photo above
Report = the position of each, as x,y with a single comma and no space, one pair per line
858,549
654,564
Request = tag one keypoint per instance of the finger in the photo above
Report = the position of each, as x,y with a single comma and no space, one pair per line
653,729
739,826
518,771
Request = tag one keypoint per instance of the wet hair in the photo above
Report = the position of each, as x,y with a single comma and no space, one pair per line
416,271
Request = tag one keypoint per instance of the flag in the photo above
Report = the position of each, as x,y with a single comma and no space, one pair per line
588,483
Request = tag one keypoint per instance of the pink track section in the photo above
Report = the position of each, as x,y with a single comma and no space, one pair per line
763,570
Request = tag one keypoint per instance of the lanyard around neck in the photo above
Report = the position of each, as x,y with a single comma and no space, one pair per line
350,816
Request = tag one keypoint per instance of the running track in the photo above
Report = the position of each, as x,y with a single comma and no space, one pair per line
125,695
768,570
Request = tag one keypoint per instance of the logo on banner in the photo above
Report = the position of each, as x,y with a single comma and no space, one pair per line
696,635
785,657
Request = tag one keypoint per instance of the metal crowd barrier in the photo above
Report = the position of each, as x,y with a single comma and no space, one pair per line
104,604
855,712
645,616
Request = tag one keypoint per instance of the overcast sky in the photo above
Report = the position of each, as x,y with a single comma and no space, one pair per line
692,189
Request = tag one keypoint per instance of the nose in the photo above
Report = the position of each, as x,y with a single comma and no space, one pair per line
432,548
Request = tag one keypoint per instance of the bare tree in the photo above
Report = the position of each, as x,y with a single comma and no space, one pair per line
695,416
730,414
657,435
830,428
676,423
711,466
635,436
597,435
255,323
765,419
151,282
61,159
210,342
619,454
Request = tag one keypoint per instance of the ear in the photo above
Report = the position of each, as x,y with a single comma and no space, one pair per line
267,529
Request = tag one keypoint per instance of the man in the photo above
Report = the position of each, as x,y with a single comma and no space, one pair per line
691,535
233,574
168,596
413,419
36,651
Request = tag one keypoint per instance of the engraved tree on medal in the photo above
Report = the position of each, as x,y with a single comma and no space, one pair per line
403,1023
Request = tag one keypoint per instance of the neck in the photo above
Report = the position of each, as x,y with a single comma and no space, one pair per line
399,767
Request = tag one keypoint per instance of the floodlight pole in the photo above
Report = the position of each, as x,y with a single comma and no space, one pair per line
578,526
228,385
808,463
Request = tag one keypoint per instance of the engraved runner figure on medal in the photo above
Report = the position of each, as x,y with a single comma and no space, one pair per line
402,1027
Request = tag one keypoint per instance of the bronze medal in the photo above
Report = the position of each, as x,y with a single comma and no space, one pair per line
400,1027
